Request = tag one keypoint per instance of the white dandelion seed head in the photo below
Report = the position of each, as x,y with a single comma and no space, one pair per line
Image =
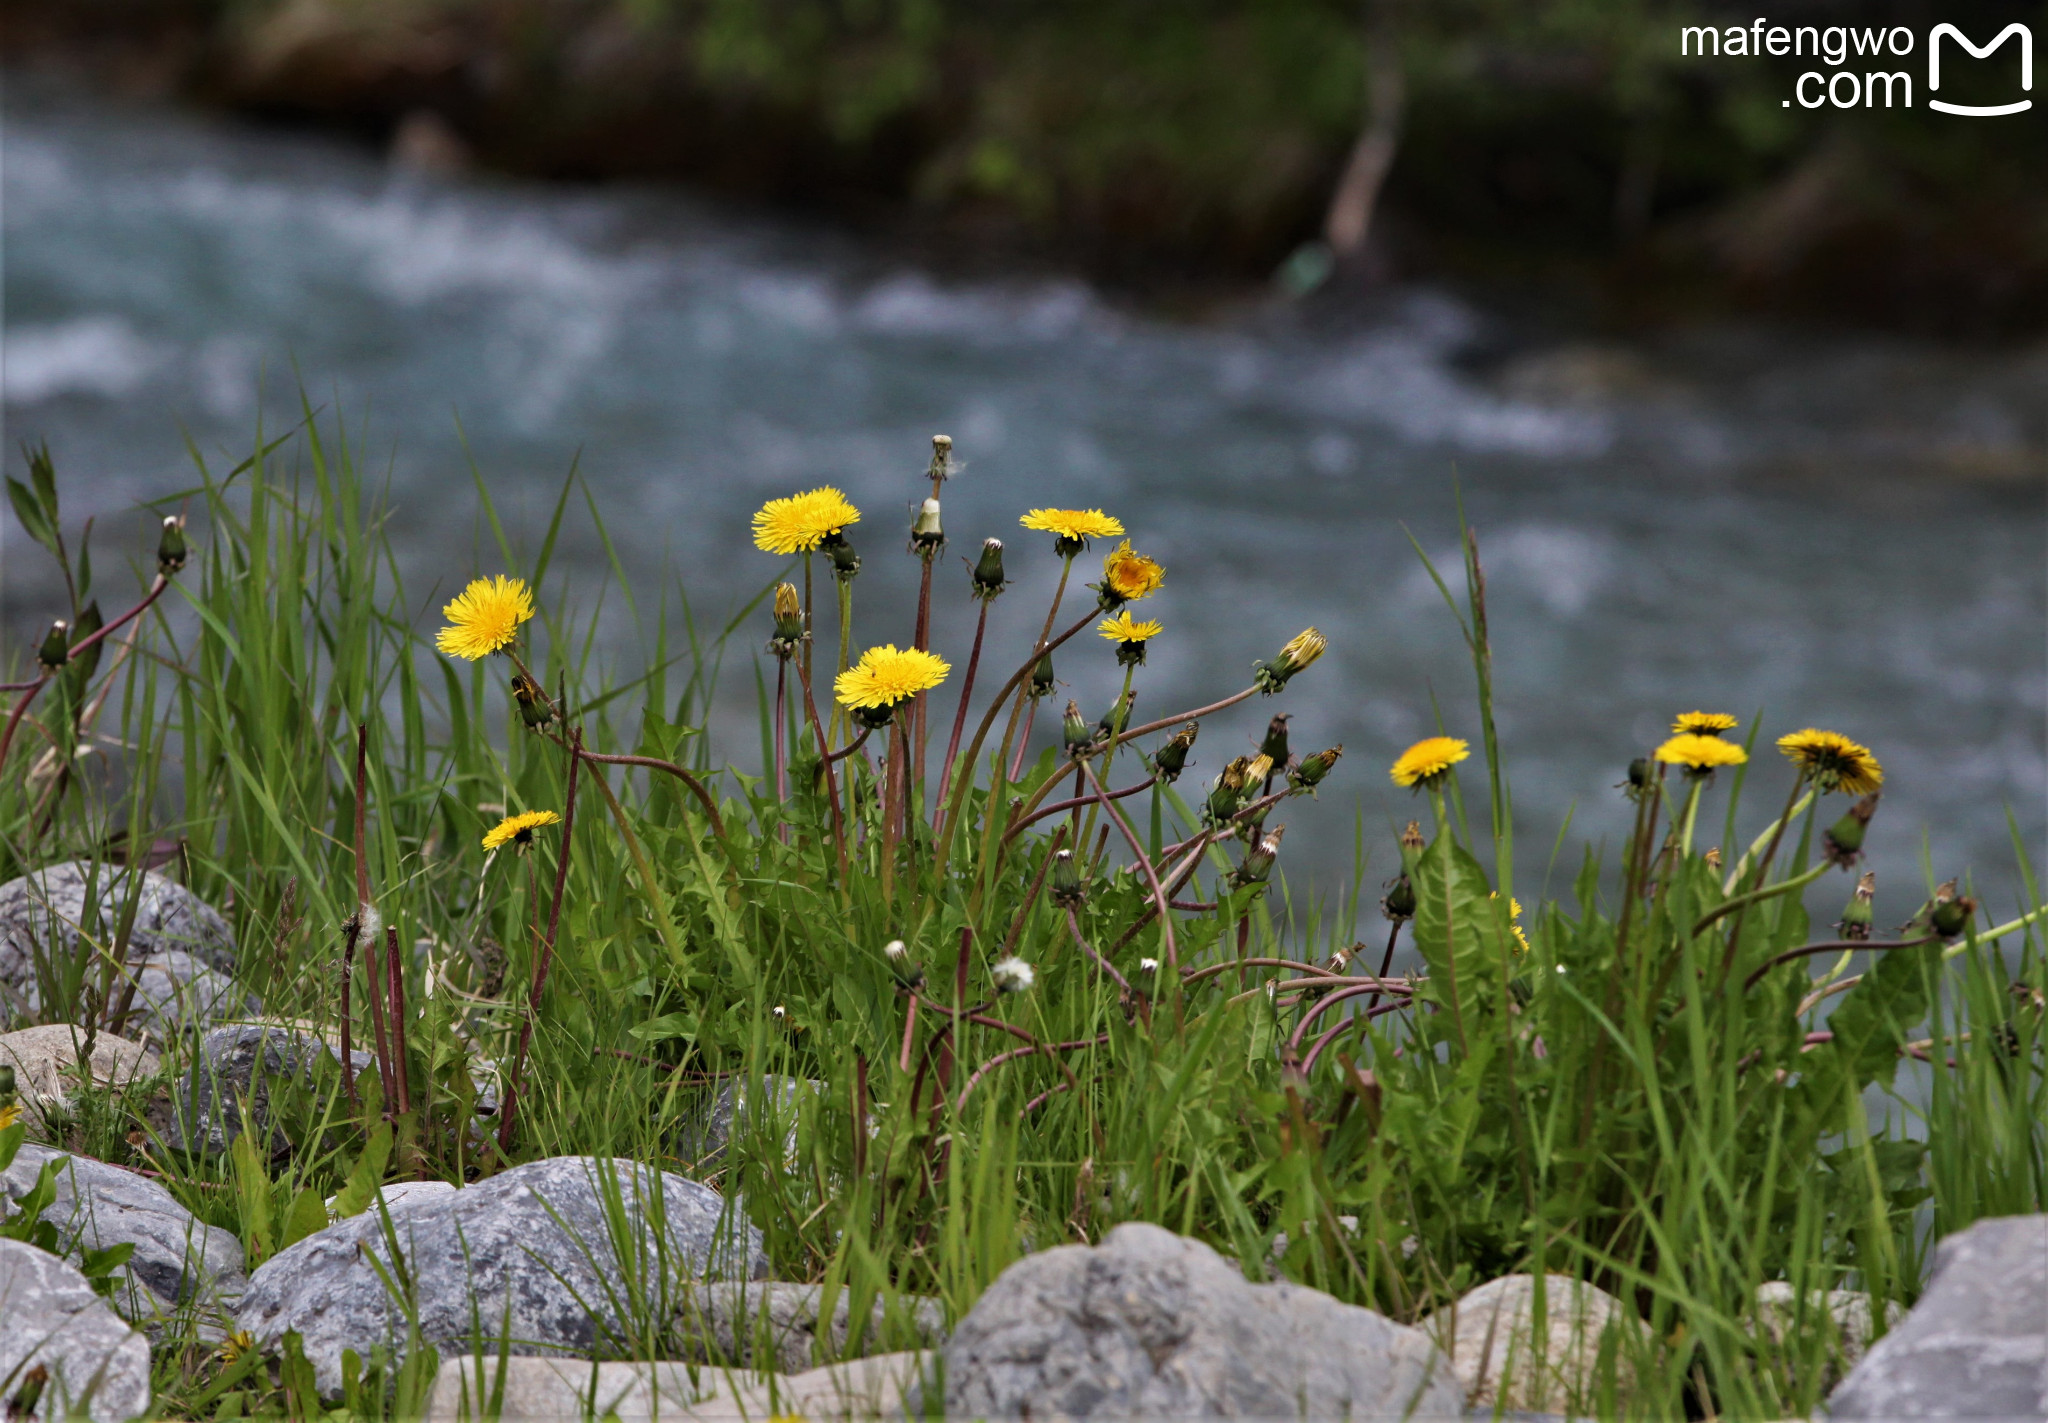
1013,975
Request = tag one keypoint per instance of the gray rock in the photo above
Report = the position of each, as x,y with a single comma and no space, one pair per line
1844,1315
178,1259
50,1317
773,1324
1976,1345
228,1087
555,1389
736,1108
525,1260
177,993
397,1197
42,912
1490,1333
45,1063
1151,1325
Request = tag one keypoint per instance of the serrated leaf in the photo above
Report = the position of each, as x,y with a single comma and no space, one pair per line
665,1028
367,1175
307,1216
1459,929
1875,1015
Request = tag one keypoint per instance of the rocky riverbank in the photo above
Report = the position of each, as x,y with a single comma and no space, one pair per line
1170,152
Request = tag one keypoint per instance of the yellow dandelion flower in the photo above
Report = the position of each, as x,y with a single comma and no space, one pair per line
1130,575
887,675
801,522
1514,917
1127,629
9,1115
485,617
1428,760
1699,723
1258,768
1833,761
1074,526
519,828
1699,754
234,1346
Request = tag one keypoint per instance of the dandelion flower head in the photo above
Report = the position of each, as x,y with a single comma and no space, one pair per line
1429,758
1514,918
1834,761
1700,754
9,1114
1130,575
1127,629
1079,525
801,522
485,617
1699,723
888,674
518,828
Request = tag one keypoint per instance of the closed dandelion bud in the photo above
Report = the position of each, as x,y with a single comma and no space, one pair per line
1642,774
1858,914
1173,756
6,1087
1259,858
1411,846
789,621
170,548
56,648
988,573
845,562
1258,768
1118,718
1080,736
1951,915
1400,901
1067,889
534,707
925,533
1311,769
1228,794
1843,841
1301,650
1042,681
1012,975
1274,747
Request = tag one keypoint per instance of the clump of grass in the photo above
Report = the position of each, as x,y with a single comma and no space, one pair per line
1028,997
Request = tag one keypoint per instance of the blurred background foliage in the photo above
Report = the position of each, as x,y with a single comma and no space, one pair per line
1557,147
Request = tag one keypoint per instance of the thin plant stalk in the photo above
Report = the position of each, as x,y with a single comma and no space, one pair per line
547,951
960,714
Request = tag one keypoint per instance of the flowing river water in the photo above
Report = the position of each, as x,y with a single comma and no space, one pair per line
1832,531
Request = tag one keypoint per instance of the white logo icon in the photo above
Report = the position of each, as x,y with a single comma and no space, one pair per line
1981,110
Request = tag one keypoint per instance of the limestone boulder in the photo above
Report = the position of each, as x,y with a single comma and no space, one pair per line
45,1060
50,1319
562,1256
1588,1338
1976,1345
1149,1324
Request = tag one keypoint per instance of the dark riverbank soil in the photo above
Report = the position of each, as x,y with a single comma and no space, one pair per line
1180,179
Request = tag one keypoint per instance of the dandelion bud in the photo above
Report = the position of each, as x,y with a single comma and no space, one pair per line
1400,901
1274,747
534,707
1858,914
1642,773
1302,649
845,562
1712,858
1258,768
1012,975
1041,678
988,573
6,1086
789,621
1311,769
1228,794
943,466
1953,913
925,534
1259,858
1118,717
56,648
1843,841
1173,756
170,548
33,1382
1067,889
1411,846
1080,736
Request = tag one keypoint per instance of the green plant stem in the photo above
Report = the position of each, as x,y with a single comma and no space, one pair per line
1832,946
1763,869
507,1113
960,714
1741,870
831,781
1046,812
1171,951
1743,901
1196,715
